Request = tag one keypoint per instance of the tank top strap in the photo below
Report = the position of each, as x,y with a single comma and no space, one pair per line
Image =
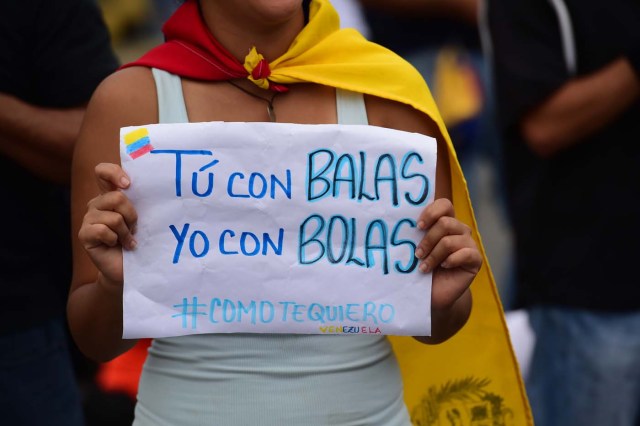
350,106
171,106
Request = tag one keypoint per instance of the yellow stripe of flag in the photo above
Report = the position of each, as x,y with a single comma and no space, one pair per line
135,135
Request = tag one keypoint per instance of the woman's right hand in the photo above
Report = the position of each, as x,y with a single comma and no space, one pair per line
109,223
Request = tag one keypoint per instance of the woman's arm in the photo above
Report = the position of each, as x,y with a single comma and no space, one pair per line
447,249
102,217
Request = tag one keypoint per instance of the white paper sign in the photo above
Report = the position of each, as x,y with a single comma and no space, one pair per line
276,228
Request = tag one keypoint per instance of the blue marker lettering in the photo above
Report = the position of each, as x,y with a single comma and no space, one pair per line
230,186
350,314
370,247
267,307
189,310
316,312
268,242
352,247
252,185
345,160
285,188
315,177
221,241
303,241
368,311
205,244
344,240
424,193
249,310
285,306
413,260
335,313
391,177
296,314
194,180
180,236
361,193
179,153
228,308
390,315
214,302
243,244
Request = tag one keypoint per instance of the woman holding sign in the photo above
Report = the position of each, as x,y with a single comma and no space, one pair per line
284,61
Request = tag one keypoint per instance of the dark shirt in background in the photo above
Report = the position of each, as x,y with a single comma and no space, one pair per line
52,54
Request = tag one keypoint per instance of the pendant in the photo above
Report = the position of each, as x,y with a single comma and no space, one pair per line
271,112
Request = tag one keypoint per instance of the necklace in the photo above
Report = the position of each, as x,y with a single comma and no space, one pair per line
270,110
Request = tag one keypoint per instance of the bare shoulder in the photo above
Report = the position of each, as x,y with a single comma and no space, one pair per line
399,116
127,96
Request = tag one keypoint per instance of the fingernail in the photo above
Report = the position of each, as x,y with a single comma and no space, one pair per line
424,267
419,253
133,244
422,225
124,181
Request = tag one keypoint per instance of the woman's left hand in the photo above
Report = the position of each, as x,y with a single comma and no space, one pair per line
449,251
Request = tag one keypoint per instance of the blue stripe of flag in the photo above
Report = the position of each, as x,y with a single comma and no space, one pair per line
140,143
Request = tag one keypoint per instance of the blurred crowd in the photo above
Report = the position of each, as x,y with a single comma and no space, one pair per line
544,115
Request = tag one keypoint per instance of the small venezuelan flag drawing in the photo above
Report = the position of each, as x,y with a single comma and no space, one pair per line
138,142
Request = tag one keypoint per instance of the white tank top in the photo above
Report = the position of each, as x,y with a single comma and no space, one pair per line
268,379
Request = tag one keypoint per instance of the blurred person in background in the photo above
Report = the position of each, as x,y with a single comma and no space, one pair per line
442,40
568,88
52,57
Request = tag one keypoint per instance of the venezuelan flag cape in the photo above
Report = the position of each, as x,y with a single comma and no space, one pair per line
472,379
